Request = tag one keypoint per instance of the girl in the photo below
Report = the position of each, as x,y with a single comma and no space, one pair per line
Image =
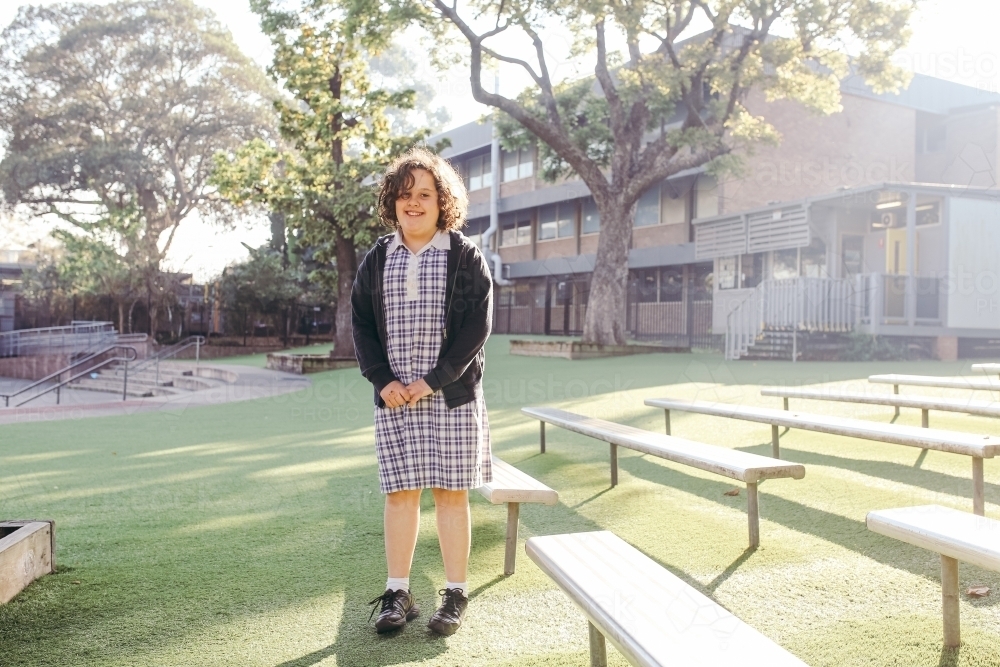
422,310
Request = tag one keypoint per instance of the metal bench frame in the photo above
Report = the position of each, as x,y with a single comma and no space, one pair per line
743,466
975,446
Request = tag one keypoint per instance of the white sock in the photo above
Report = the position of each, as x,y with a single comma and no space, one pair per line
463,586
398,584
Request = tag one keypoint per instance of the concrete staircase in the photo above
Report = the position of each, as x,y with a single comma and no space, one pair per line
779,345
172,379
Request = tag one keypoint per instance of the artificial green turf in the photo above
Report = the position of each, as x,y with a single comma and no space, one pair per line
250,533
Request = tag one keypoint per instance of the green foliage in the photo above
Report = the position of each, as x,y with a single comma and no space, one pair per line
111,115
336,131
867,347
261,284
692,92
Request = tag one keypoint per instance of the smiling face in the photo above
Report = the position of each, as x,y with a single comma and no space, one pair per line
417,209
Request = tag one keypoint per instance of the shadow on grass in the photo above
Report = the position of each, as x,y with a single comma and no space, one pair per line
847,533
912,475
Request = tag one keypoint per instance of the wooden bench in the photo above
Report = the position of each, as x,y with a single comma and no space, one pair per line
957,536
978,447
648,614
734,464
923,403
513,486
982,384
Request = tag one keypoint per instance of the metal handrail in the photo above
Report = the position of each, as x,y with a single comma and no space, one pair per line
119,339
168,352
113,360
23,341
55,375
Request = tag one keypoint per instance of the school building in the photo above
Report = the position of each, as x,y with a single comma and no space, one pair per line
881,218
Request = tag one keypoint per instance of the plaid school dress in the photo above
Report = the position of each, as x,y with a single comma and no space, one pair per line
426,446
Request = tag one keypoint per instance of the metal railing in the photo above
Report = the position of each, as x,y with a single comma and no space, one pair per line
791,304
68,339
154,360
92,363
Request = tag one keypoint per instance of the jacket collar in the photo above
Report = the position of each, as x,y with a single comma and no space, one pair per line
441,240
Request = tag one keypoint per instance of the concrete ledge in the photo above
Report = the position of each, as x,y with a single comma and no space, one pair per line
301,364
577,350
27,552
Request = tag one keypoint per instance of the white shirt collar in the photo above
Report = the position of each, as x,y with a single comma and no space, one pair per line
441,240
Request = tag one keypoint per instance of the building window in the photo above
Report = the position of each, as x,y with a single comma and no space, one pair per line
673,205
672,284
644,285
727,272
702,284
928,212
474,229
785,264
751,269
706,197
812,259
478,172
519,163
515,229
556,221
647,209
591,223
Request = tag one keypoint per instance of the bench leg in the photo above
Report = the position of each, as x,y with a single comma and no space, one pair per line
666,418
925,418
775,449
541,429
614,465
978,499
598,647
753,514
513,513
895,390
949,600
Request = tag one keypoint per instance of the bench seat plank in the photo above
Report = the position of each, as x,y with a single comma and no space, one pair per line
511,485
898,400
949,532
650,615
986,368
969,444
933,381
732,463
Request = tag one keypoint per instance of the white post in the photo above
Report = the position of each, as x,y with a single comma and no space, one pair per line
911,258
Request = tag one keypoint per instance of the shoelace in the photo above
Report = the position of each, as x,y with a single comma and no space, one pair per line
449,602
386,599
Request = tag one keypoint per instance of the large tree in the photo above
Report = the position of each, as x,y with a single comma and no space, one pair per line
116,109
673,100
337,140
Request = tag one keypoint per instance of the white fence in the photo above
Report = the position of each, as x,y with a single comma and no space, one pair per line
791,304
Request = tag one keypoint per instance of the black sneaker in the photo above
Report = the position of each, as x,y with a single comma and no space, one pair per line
448,617
398,607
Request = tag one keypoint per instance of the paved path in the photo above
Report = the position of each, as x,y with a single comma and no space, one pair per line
252,383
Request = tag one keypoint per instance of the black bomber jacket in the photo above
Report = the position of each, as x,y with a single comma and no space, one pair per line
468,319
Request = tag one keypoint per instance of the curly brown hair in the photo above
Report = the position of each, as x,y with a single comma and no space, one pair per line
453,200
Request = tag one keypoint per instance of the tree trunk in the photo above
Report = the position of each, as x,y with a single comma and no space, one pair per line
347,267
607,303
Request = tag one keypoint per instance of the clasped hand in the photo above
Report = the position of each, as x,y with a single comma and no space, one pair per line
396,394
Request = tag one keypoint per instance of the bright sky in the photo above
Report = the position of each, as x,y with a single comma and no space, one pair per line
952,39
